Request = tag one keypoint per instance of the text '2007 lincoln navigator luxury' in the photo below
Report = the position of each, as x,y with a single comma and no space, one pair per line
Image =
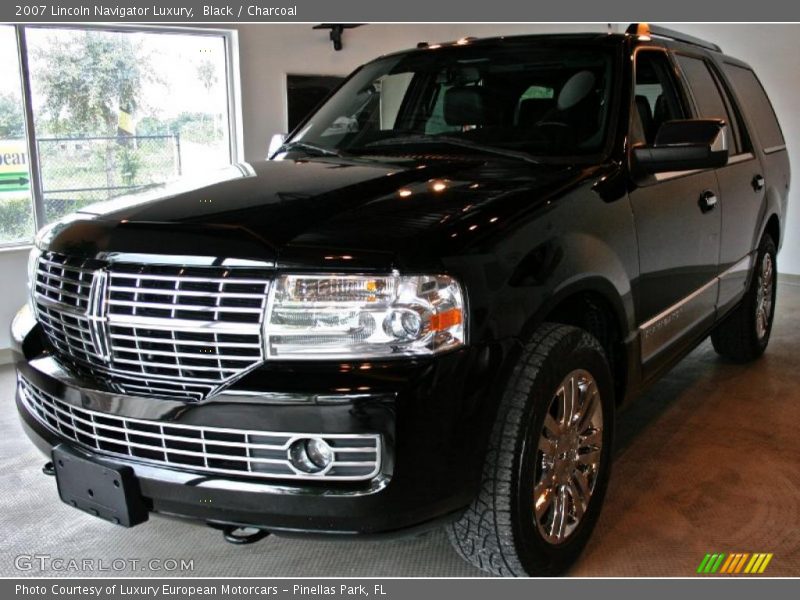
425,309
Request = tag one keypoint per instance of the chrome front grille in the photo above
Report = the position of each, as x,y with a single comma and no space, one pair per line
261,454
217,295
65,281
164,331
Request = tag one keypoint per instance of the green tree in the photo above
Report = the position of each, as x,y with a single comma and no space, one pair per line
12,122
85,77
207,74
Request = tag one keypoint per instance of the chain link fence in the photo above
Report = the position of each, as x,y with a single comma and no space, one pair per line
78,171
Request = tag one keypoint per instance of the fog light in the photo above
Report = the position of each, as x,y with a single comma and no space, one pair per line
311,455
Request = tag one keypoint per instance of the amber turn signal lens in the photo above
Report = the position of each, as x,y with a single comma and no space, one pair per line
446,320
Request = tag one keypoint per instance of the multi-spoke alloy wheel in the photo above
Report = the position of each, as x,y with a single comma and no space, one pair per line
568,456
764,294
744,334
548,461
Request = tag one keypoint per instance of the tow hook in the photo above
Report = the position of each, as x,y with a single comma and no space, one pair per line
239,534
49,469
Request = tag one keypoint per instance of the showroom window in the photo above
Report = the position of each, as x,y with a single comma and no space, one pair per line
16,208
127,109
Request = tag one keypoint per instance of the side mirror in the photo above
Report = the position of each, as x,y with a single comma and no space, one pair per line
275,142
684,146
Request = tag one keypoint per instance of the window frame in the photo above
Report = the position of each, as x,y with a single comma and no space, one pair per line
615,130
682,96
747,121
232,88
684,100
740,135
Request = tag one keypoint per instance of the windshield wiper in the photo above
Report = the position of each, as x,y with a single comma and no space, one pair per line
309,148
411,140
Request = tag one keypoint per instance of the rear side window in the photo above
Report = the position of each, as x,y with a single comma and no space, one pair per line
752,96
707,95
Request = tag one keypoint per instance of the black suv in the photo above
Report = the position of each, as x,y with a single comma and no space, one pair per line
425,309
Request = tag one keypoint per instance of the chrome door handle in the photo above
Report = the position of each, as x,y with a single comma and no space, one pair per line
708,201
758,183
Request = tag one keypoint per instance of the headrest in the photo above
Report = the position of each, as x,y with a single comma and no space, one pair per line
645,116
575,89
467,106
532,110
661,112
643,106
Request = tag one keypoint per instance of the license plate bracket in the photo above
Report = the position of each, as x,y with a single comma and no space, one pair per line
102,489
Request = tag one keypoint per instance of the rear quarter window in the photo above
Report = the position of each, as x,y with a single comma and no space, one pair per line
707,95
756,105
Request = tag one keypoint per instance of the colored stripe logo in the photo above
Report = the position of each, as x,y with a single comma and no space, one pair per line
737,563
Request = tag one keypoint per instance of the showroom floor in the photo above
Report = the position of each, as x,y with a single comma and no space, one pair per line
706,462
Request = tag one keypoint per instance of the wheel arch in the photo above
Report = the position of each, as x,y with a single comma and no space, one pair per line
773,228
593,304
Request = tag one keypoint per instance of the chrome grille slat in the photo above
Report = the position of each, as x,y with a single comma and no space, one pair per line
176,325
190,279
49,262
188,307
171,292
232,357
156,340
152,330
156,442
176,366
62,277
60,291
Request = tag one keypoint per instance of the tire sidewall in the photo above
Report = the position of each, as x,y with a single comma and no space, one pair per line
767,246
577,351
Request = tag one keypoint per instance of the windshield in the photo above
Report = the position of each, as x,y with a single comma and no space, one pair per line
542,100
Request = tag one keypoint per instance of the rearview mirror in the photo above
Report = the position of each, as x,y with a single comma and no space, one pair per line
275,142
684,145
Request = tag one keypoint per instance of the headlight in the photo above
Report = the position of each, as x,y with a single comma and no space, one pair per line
355,316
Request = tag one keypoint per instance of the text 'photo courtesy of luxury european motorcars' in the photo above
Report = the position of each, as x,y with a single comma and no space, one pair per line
424,308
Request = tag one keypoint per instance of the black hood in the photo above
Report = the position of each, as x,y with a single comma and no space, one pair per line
321,212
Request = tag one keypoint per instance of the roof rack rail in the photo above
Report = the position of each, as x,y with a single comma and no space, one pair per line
644,29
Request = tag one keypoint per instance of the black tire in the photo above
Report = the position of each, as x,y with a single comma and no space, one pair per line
738,338
498,532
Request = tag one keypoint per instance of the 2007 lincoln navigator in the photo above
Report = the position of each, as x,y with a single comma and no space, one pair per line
425,309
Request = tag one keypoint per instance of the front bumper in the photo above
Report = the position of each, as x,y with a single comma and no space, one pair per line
432,417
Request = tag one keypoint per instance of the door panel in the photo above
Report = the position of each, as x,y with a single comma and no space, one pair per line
678,221
741,211
742,193
678,258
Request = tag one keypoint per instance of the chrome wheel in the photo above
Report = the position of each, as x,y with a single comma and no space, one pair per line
764,295
568,457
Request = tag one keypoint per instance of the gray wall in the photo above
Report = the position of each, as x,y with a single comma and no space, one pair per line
13,266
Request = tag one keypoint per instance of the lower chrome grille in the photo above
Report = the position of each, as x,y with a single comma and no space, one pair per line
153,330
248,453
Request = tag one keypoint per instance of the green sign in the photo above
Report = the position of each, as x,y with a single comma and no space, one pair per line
14,182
